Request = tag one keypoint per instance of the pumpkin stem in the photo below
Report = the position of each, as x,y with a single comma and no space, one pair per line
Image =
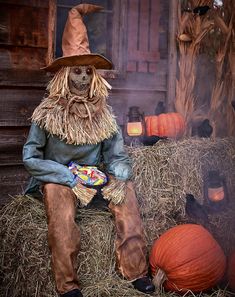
159,278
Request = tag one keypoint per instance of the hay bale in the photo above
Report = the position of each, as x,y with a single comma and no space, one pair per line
24,253
162,175
165,172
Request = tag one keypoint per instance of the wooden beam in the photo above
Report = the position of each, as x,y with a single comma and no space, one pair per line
17,106
172,54
23,26
33,3
13,181
23,78
51,31
119,40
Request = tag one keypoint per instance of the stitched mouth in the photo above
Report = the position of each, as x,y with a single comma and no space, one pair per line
79,86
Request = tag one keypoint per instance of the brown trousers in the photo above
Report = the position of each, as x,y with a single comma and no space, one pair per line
64,236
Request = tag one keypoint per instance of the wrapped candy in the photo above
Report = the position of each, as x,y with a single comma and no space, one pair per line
89,176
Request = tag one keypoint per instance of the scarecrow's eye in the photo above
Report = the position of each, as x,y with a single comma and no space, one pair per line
77,70
89,71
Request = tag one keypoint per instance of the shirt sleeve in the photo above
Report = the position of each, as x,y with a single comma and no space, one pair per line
115,158
44,170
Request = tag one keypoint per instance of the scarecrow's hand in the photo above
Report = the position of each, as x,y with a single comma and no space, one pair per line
122,171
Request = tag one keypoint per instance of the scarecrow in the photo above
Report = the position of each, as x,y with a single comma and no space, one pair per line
73,132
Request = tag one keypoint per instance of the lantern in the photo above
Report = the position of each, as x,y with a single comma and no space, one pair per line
135,124
215,191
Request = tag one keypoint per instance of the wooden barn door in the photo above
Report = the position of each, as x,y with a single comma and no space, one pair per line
142,35
144,75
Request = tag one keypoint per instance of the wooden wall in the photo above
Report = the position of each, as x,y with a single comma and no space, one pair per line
23,50
24,37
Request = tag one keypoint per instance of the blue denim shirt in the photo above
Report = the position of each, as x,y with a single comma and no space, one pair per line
45,157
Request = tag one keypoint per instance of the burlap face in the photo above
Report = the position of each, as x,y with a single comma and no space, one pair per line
79,79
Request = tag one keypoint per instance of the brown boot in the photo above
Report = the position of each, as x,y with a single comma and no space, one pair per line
63,236
130,242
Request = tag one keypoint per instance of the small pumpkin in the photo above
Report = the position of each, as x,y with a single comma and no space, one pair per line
187,257
231,271
170,125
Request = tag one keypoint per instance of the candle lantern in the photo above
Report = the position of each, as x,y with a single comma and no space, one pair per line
135,123
215,191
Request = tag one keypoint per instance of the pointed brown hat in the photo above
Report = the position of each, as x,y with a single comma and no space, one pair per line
75,43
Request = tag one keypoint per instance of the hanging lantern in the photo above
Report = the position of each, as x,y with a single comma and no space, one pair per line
215,191
135,123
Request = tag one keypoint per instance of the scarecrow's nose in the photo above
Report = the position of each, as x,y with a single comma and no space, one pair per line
83,78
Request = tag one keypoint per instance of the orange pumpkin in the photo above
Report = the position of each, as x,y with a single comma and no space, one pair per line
170,125
231,271
187,257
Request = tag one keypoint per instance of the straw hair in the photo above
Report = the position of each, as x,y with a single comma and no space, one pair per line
58,87
91,120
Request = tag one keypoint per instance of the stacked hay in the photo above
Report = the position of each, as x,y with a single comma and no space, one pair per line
163,174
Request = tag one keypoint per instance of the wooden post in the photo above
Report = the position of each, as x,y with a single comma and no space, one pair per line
51,31
172,54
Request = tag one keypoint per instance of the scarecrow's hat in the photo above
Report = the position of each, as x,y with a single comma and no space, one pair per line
75,44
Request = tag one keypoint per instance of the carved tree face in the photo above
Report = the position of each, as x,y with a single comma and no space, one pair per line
80,79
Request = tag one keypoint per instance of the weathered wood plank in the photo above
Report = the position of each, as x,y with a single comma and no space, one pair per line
118,38
16,106
36,78
13,180
51,31
13,174
12,137
145,55
34,3
132,33
22,58
143,37
154,32
11,156
164,19
22,78
12,140
146,81
154,25
172,55
143,20
24,25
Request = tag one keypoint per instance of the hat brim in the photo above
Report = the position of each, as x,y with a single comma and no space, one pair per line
99,61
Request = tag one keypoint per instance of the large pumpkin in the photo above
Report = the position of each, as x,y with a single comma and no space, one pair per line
170,125
187,257
231,271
